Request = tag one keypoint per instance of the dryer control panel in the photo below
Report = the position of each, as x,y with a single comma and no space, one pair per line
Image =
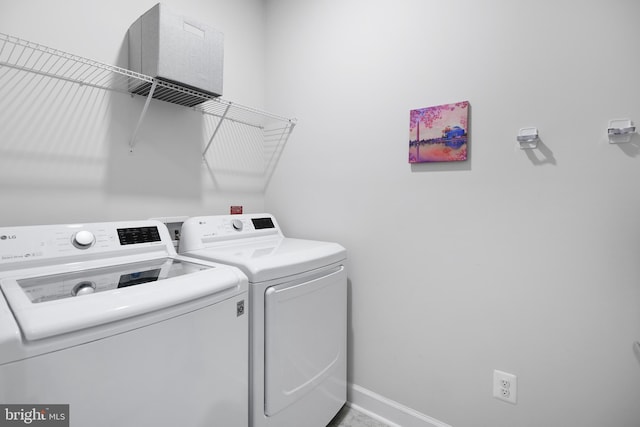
200,232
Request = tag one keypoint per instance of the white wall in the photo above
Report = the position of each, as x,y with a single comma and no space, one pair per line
64,153
527,262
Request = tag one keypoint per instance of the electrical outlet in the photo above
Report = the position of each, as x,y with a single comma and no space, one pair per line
505,386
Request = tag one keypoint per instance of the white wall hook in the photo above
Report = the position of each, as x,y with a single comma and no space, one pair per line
620,131
528,138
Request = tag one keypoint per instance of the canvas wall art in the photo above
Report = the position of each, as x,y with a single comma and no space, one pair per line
439,134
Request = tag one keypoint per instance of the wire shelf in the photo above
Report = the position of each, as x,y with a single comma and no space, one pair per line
35,58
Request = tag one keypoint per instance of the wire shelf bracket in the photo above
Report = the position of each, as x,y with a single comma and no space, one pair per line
215,131
132,142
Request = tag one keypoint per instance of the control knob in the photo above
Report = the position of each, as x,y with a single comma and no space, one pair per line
83,239
237,224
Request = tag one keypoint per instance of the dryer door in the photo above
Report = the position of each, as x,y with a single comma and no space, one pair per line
305,339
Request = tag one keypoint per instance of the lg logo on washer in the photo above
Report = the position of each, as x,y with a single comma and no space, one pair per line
7,237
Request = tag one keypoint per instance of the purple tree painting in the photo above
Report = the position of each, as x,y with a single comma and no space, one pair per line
439,134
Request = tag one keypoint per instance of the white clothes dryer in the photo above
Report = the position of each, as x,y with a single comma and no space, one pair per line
108,319
298,310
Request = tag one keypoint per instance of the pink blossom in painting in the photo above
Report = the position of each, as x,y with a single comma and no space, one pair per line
439,134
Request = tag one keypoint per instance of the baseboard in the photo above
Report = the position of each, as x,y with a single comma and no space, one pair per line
386,410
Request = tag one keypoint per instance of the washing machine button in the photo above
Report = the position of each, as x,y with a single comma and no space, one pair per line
83,239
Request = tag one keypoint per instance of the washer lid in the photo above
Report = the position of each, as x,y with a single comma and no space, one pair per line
268,258
53,304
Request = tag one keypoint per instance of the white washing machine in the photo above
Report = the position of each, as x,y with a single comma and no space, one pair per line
298,309
108,319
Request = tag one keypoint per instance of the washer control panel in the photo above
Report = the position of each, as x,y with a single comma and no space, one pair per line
30,243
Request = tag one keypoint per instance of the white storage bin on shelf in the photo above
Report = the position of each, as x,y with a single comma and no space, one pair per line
31,57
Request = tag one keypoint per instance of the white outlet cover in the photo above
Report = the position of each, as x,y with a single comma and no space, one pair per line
505,386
